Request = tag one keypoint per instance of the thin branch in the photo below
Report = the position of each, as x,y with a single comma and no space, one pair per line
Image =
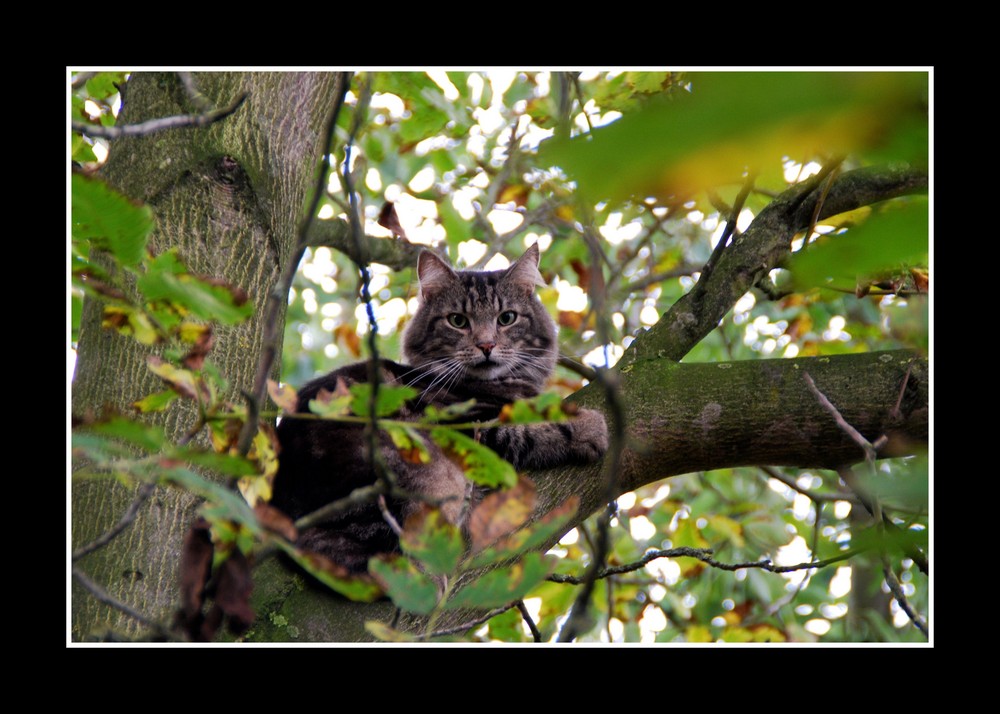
278,297
812,495
585,371
897,592
126,520
466,626
389,518
191,89
705,556
81,79
526,616
154,125
730,225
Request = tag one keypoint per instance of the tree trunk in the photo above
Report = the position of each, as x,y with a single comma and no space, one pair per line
230,198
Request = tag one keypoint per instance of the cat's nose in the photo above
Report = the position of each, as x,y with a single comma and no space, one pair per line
486,347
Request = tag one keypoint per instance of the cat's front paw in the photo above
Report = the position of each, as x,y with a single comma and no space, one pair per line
590,435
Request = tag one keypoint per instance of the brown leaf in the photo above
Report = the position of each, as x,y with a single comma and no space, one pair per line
232,594
921,279
284,396
195,570
501,513
275,521
347,336
582,271
516,193
196,357
387,218
572,320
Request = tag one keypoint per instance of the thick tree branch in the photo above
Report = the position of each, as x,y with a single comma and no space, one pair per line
395,253
761,248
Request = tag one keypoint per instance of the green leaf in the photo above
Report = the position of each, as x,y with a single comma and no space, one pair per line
131,321
409,443
223,503
885,241
102,85
448,413
410,589
385,633
149,438
389,399
456,228
354,587
432,540
82,151
481,464
503,585
110,220
223,463
734,120
156,402
167,279
507,626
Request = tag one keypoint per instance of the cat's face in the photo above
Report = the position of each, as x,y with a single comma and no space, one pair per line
475,328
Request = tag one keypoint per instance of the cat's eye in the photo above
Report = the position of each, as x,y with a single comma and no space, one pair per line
507,317
457,319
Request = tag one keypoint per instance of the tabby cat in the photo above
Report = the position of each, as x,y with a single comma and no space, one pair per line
480,335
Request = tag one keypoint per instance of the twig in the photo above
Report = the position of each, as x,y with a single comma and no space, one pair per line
154,125
856,436
389,518
833,171
535,634
465,627
191,88
705,556
133,510
588,373
897,592
81,79
278,297
730,228
812,495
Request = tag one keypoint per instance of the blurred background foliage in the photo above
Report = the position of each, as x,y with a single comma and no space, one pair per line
481,164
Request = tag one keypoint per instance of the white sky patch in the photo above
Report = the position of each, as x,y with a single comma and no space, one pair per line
497,262
504,221
100,150
440,78
572,298
462,201
326,212
795,171
835,330
570,538
840,584
471,251
543,240
373,180
604,356
649,315
390,102
616,628
795,552
641,528
331,350
618,320
490,120
626,500
817,627
652,621
614,232
423,180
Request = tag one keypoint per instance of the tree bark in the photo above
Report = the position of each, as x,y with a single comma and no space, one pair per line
230,198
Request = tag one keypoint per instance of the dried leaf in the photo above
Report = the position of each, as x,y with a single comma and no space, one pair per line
431,539
500,513
202,346
275,521
284,396
387,218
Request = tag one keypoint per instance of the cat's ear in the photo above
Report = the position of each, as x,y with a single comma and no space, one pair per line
434,274
524,270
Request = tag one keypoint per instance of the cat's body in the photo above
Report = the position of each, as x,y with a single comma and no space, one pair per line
477,335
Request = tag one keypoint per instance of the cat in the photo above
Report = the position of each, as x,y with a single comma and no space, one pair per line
481,335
